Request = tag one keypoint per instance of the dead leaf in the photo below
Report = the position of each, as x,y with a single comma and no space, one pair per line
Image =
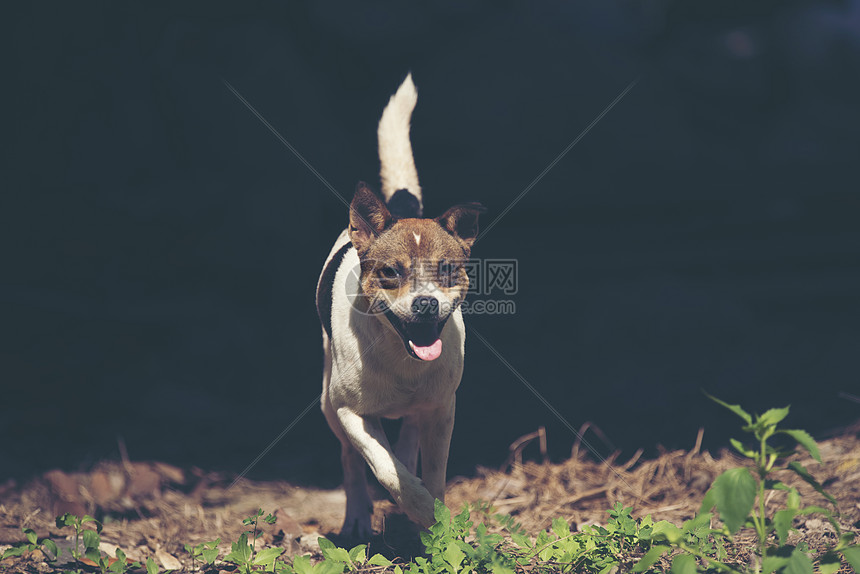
168,562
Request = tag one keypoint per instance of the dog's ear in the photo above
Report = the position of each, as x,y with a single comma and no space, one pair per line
368,217
461,221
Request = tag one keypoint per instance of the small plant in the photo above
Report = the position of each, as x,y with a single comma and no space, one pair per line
118,566
252,520
205,552
85,539
743,499
594,549
449,552
740,497
88,540
47,546
244,554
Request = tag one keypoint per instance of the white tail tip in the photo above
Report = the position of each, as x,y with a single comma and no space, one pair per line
397,165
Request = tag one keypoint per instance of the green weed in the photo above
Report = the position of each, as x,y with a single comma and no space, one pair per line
456,545
86,545
205,552
740,496
48,547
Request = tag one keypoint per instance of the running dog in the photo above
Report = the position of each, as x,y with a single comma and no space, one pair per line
389,301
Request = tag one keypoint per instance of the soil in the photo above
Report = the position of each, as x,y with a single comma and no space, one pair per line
153,509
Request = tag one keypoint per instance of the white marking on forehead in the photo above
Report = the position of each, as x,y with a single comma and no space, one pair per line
417,237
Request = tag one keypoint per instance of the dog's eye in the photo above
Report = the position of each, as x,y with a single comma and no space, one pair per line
388,272
388,277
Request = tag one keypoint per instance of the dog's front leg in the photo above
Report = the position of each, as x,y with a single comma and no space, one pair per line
367,435
435,428
406,447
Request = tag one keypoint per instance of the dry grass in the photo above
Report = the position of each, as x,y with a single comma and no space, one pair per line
156,508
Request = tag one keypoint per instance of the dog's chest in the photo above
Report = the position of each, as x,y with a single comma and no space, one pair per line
381,387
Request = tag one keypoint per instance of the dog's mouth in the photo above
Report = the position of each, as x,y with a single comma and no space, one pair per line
422,339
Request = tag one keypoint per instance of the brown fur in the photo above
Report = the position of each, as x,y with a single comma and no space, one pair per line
385,244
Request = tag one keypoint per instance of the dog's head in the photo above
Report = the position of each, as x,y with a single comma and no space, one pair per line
412,270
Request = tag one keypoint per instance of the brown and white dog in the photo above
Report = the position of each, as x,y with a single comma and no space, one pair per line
389,301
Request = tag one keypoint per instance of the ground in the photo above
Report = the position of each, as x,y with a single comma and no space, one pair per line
153,509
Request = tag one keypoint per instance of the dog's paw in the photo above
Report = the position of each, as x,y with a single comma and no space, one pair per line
356,528
418,504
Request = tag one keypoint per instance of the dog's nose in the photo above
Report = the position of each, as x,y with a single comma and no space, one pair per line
425,306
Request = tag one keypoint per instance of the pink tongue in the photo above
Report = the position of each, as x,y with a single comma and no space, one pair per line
428,353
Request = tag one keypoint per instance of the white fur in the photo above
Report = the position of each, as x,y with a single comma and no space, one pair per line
368,374
396,163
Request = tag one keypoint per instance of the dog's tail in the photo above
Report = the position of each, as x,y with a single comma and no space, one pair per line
397,171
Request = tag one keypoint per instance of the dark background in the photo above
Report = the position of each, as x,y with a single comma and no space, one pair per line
161,246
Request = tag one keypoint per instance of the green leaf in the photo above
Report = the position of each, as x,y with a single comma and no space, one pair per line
664,530
521,540
683,564
734,494
426,540
93,553
119,566
798,563
560,527
708,502
453,556
332,552
804,439
328,567
151,566
66,520
267,556
91,539
302,564
773,416
801,471
31,535
829,563
358,554
441,512
772,564
650,557
241,551
379,560
782,522
734,408
776,485
15,551
739,446
209,555
697,522
852,555
51,547
793,499
88,518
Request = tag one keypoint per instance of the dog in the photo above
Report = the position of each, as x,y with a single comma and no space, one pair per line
389,300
